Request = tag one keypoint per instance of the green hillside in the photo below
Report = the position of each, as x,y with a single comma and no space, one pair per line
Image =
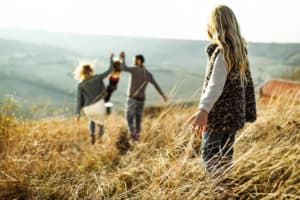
37,66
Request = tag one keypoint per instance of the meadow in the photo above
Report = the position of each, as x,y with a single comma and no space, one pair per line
53,159
45,155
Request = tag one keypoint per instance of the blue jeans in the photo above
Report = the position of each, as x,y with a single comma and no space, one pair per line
134,110
93,127
217,150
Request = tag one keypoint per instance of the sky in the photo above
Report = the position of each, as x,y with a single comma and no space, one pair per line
260,20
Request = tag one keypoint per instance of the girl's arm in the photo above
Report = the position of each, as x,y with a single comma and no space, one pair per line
108,71
80,101
215,85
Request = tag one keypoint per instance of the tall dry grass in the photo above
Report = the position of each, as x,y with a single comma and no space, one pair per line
52,159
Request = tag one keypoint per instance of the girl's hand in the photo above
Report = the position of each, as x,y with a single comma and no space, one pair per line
76,119
165,98
199,121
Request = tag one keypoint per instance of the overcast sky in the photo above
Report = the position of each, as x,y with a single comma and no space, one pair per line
260,20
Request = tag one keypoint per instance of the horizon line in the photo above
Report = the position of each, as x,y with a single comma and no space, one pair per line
131,36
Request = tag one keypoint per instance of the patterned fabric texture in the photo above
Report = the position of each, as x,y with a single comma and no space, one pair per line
236,105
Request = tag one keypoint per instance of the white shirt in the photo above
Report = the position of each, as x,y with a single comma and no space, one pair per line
215,84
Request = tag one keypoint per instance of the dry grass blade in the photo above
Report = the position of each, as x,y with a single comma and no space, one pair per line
52,159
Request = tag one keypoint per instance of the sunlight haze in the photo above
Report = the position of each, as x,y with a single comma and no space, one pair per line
261,21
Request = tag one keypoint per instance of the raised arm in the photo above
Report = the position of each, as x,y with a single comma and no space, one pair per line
109,70
124,66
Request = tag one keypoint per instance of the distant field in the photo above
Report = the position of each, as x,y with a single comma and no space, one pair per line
38,65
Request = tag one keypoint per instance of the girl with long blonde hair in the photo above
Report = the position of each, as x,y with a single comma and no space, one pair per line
228,97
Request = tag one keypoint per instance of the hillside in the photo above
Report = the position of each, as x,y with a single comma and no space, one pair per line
32,71
43,73
52,158
99,45
36,66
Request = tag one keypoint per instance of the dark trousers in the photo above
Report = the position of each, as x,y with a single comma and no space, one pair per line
109,90
134,111
217,150
93,128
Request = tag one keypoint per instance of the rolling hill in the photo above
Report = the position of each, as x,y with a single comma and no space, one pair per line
37,65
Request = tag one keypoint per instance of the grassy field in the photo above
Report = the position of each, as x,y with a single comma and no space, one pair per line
53,159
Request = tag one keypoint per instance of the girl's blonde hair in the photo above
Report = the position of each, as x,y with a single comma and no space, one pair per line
83,72
223,29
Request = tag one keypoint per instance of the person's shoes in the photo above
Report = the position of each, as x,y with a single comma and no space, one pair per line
108,106
93,139
135,137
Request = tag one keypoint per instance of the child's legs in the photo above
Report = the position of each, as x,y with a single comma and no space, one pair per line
211,150
227,149
107,97
92,128
108,94
101,130
217,149
109,90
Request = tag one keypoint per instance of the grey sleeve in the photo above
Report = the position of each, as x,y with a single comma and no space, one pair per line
125,67
107,72
215,84
155,84
80,101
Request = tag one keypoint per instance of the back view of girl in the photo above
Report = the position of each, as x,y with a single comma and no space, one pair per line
90,88
228,97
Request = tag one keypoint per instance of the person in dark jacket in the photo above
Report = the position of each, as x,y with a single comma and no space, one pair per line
90,88
228,96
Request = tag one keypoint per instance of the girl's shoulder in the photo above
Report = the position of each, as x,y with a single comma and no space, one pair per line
86,81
